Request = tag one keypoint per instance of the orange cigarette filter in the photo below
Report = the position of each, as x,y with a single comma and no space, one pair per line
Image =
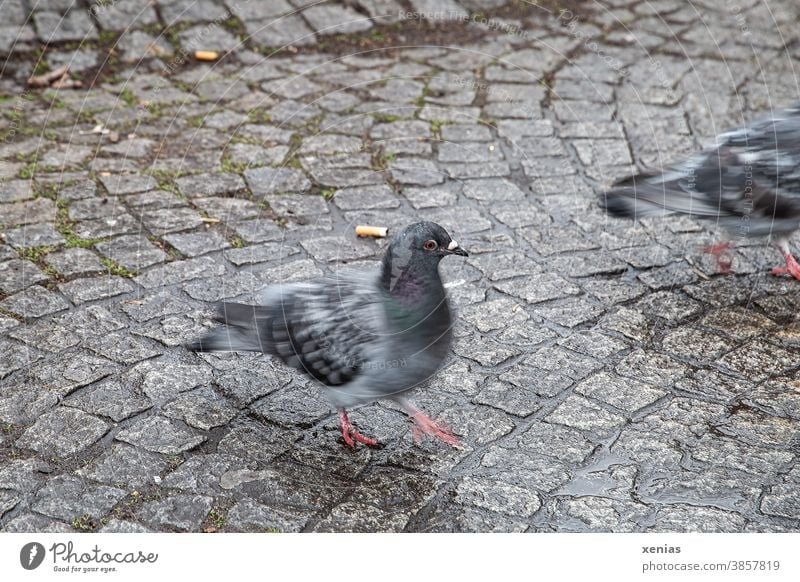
206,55
373,231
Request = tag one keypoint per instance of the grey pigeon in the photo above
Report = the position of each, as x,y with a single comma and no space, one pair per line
749,183
362,335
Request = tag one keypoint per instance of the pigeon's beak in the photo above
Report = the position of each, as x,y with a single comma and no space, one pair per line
454,249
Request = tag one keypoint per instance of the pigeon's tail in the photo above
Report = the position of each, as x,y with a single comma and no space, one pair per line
645,195
243,330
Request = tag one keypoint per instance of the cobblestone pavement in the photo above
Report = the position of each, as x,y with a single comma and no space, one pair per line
603,377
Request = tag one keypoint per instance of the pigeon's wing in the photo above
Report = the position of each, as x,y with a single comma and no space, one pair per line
753,171
328,328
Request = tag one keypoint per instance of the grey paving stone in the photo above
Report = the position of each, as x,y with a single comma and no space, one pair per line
122,526
581,413
63,431
83,290
34,235
498,496
366,197
75,261
288,31
432,197
175,220
160,435
34,302
693,519
199,243
416,172
260,253
538,287
193,11
66,497
201,408
46,336
110,399
16,275
328,19
28,212
16,190
8,501
265,181
181,512
33,523
204,185
624,393
63,375
127,184
249,516
74,25
179,271
229,210
121,223
122,15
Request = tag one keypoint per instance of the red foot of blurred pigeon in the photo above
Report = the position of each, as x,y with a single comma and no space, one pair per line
425,425
349,433
364,336
721,252
748,183
792,268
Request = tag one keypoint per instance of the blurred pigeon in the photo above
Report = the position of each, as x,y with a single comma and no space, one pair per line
749,182
363,335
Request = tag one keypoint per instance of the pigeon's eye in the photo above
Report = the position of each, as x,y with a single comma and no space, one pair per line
430,245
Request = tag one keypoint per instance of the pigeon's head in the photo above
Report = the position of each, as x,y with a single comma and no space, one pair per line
412,259
425,242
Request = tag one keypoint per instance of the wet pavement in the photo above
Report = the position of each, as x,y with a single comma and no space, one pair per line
604,377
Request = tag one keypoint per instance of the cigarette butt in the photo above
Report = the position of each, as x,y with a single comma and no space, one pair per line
375,231
206,55
209,220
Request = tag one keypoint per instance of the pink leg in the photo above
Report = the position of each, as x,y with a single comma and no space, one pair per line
792,267
425,425
350,433
722,254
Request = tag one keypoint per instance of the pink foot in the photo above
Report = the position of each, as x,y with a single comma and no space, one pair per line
425,425
350,434
721,252
792,268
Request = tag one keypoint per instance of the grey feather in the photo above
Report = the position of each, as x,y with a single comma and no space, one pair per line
363,335
749,182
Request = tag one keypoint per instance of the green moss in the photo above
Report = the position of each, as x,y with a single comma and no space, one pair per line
85,523
128,97
216,517
27,171
233,167
34,254
380,161
259,115
328,193
116,269
436,128
66,226
107,37
386,118
236,241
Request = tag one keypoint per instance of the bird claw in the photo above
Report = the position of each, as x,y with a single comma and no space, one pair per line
721,252
424,425
792,267
351,435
